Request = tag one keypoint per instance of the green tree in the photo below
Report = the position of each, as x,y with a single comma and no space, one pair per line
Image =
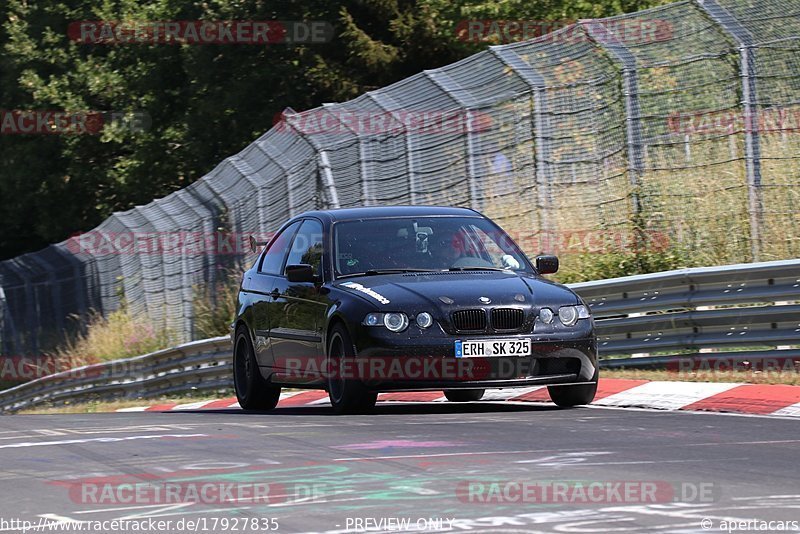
204,103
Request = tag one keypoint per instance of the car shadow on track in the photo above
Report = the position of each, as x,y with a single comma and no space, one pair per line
391,408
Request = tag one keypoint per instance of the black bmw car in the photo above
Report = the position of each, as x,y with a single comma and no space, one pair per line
366,300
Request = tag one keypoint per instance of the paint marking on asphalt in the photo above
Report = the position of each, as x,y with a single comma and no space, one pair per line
119,509
98,440
49,432
191,405
717,444
395,457
506,394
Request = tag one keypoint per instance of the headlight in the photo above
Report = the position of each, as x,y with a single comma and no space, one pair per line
546,315
396,322
569,315
424,320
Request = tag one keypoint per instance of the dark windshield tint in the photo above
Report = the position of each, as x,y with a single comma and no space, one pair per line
429,243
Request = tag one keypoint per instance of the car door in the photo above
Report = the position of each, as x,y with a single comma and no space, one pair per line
296,327
264,285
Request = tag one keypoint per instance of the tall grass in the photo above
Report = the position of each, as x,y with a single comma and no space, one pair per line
215,305
119,335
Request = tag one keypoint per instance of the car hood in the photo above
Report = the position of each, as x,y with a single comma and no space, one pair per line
464,288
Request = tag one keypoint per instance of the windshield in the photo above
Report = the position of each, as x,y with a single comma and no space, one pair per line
423,243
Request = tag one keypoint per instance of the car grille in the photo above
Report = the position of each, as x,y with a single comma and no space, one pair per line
469,320
507,318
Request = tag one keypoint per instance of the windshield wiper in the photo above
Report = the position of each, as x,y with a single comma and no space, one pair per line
373,272
477,269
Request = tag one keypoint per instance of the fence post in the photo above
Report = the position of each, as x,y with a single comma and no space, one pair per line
3,348
32,321
605,39
55,292
383,100
541,131
366,192
327,179
268,149
323,165
465,100
746,42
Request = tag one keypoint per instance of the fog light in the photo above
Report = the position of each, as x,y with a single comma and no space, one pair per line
424,320
396,322
373,319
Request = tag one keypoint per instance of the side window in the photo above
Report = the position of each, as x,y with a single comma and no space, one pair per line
273,258
307,246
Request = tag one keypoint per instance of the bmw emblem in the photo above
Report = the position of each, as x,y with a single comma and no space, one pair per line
485,300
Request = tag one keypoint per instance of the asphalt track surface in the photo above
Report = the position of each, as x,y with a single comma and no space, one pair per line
407,462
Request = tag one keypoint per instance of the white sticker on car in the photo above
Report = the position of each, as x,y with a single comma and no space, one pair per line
367,291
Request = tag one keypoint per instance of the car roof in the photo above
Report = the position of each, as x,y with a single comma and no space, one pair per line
370,212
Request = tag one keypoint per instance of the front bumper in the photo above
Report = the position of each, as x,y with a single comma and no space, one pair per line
419,362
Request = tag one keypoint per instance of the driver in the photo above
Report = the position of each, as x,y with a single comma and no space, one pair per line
446,250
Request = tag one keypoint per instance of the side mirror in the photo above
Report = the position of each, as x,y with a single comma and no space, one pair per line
254,244
546,264
300,273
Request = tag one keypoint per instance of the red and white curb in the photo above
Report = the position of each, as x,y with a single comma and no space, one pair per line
780,400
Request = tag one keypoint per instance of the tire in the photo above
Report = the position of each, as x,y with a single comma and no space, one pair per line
347,396
569,396
464,395
252,391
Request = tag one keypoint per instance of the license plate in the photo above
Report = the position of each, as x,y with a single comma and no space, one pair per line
493,347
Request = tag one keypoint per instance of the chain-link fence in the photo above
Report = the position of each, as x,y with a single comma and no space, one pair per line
680,121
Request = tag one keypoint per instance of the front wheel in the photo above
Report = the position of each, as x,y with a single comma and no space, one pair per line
252,391
348,395
464,395
576,395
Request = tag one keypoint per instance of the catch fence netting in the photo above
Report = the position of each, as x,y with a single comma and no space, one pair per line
671,128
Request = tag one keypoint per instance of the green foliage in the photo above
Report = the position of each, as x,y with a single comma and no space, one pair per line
590,266
204,102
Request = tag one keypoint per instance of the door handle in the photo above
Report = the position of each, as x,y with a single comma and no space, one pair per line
275,294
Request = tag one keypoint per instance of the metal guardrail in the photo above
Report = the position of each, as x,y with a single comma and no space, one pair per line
192,367
747,310
694,309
